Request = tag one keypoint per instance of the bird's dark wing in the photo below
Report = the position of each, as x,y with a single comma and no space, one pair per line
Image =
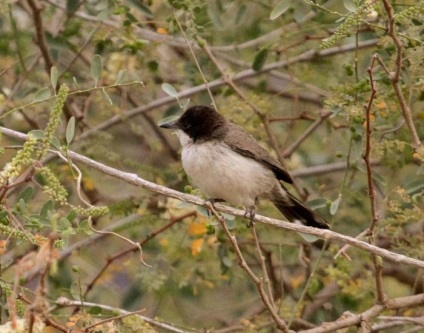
250,148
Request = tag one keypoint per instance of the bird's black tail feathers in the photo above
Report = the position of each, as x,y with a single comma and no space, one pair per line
295,211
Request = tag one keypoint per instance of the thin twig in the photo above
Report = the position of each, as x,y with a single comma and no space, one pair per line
39,29
377,262
199,68
63,302
289,151
263,266
243,264
123,315
395,77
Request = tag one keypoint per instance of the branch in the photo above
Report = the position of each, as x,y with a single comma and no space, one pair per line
371,191
354,320
64,302
395,77
41,41
133,179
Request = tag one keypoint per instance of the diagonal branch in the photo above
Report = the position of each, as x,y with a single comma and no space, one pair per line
133,179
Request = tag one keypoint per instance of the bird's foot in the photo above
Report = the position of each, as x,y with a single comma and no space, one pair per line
250,214
211,201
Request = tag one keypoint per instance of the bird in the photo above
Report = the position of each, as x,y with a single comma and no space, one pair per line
228,164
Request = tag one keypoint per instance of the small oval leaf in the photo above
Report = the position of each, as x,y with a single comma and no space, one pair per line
120,77
96,67
170,90
54,76
47,207
350,5
308,238
335,205
27,194
70,130
260,59
215,19
240,13
280,9
55,143
37,134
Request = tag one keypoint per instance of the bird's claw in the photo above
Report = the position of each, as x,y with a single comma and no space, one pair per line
211,202
250,214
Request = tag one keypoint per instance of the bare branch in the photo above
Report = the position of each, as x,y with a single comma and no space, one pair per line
395,75
133,179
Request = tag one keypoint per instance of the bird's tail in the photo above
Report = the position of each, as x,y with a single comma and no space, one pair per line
295,211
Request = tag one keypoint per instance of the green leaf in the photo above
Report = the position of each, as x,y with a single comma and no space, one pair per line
260,59
335,205
184,106
202,211
64,224
215,18
41,95
280,9
54,76
55,143
308,238
70,130
119,77
231,224
317,203
47,207
95,310
76,290
96,67
26,194
75,82
241,12
226,261
301,11
142,7
72,5
170,90
165,121
350,5
21,206
72,215
228,217
414,186
38,134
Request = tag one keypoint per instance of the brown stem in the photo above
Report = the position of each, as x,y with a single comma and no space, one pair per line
377,261
395,77
39,29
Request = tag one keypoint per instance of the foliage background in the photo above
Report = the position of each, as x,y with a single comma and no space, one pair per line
301,83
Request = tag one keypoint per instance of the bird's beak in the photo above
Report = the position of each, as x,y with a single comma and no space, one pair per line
169,122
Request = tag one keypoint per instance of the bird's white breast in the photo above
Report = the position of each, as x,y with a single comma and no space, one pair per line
224,174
